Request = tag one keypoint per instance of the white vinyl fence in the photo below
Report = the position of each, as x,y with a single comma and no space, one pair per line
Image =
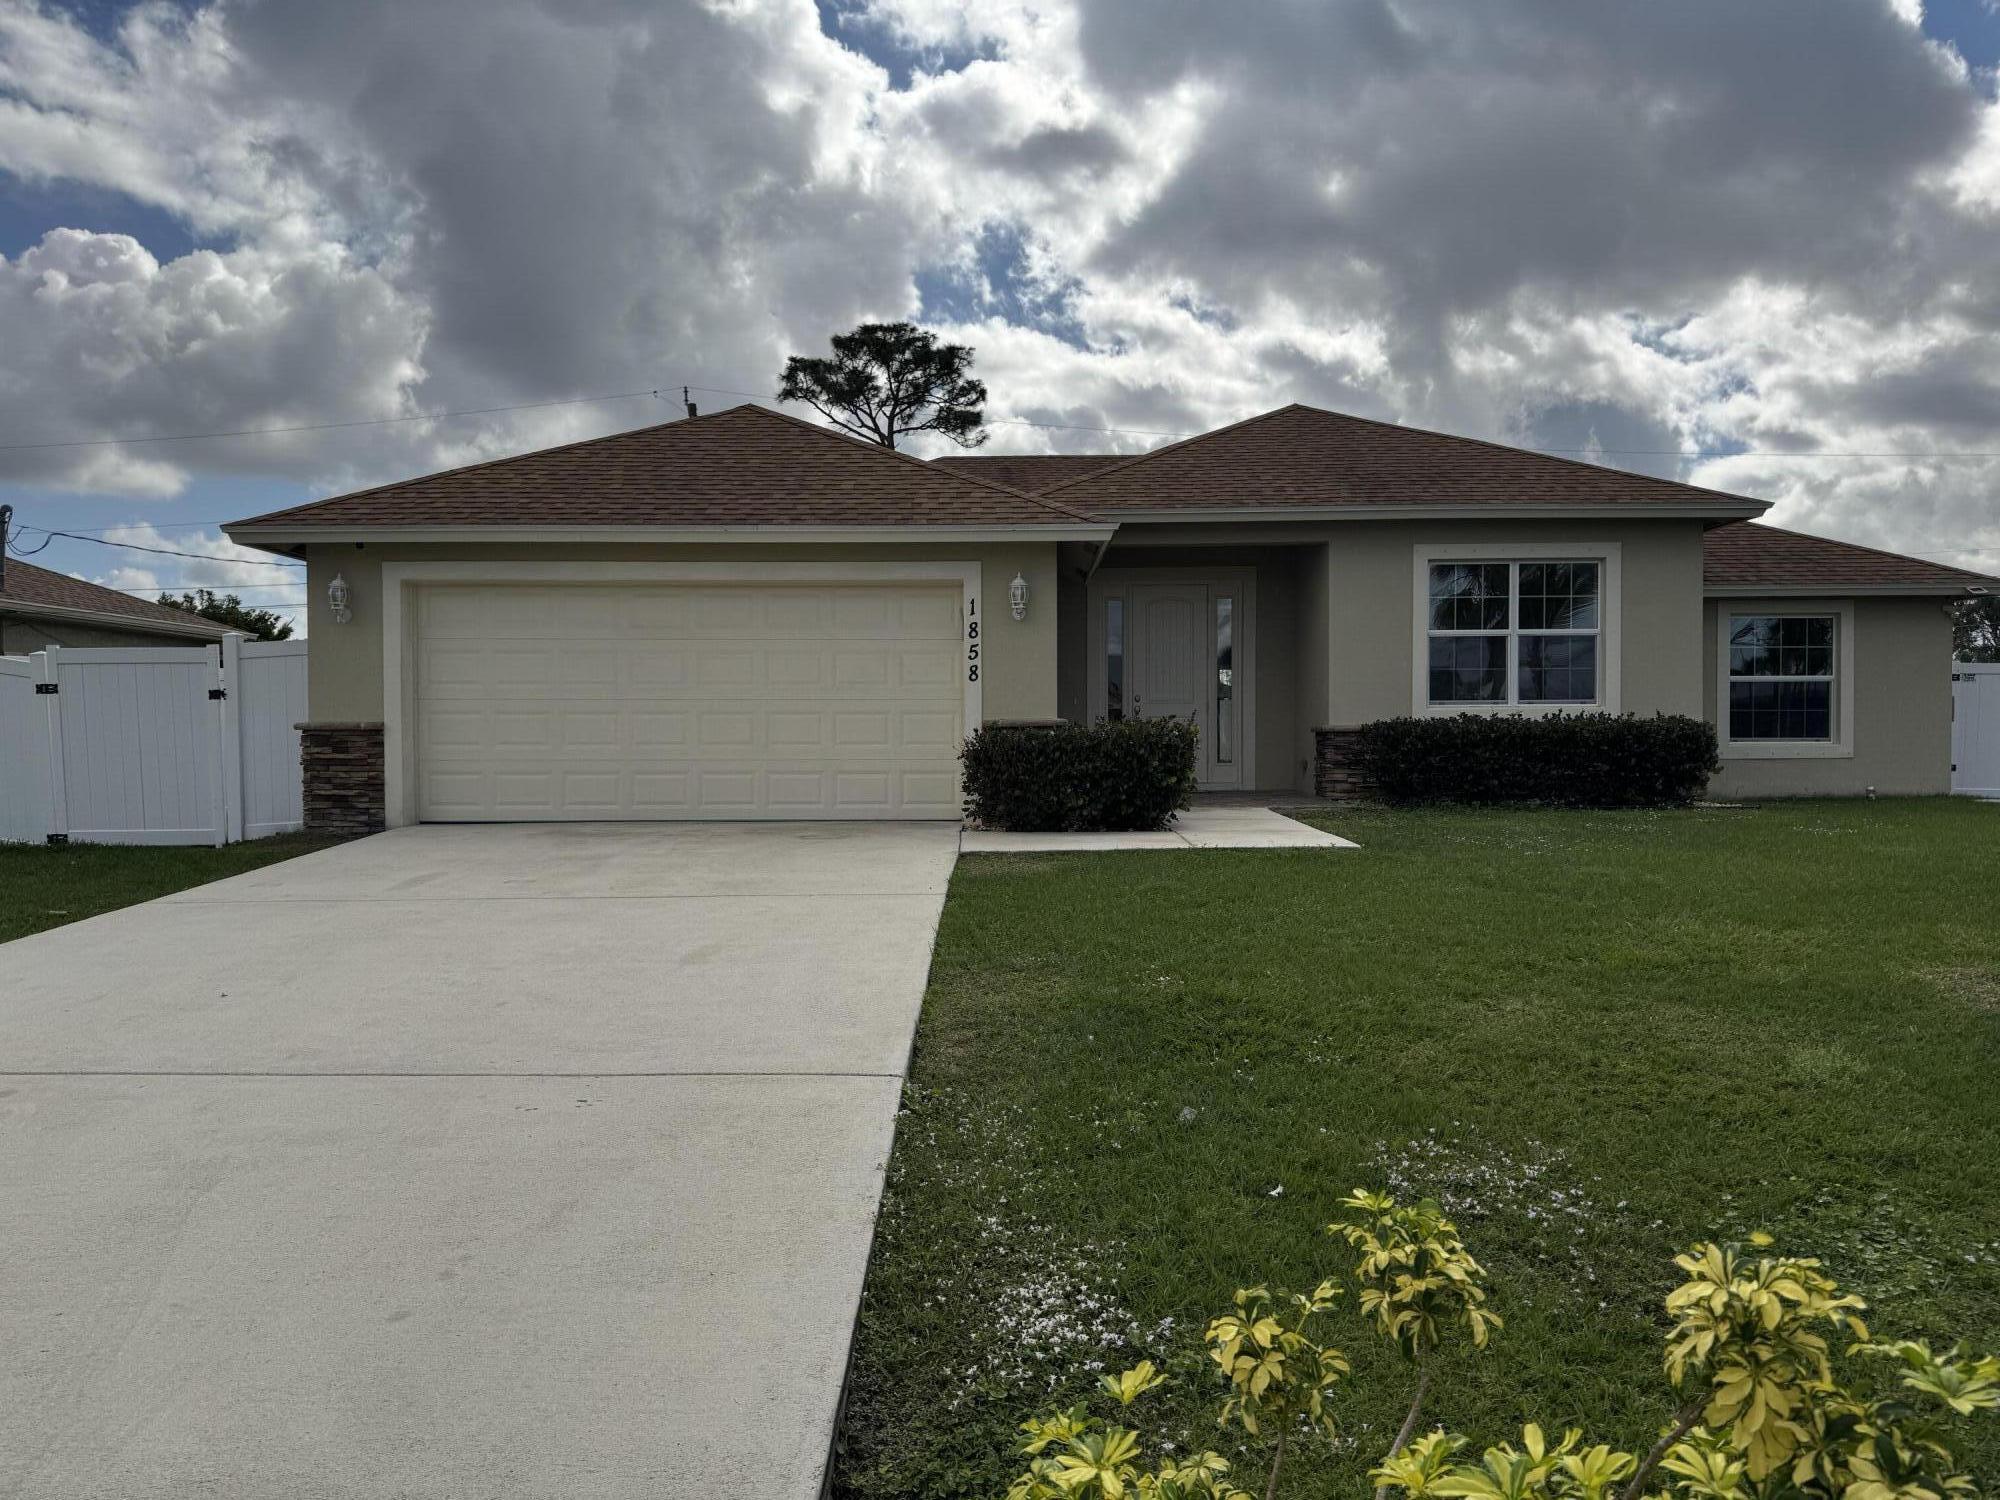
1975,729
152,744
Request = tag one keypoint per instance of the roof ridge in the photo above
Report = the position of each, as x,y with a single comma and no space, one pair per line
922,463
135,607
1398,427
1199,437
1494,443
1834,541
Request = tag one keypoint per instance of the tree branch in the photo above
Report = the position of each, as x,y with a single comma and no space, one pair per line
1684,1420
839,421
1409,1426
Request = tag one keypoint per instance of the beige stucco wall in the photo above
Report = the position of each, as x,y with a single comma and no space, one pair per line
1371,608
1902,709
1019,657
1336,616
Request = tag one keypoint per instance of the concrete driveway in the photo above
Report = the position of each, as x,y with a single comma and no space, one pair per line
479,1161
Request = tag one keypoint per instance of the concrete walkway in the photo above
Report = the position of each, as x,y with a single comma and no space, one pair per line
1209,827
483,1161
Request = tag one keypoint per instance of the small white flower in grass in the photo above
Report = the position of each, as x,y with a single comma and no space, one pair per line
1276,1192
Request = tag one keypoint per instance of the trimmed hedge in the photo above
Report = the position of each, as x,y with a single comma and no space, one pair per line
1565,760
1069,778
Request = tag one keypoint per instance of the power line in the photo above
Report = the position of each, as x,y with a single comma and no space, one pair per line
430,416
244,562
194,585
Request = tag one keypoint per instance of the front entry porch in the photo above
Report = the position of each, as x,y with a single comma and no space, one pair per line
1210,636
1172,643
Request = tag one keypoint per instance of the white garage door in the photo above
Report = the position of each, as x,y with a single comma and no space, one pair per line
687,701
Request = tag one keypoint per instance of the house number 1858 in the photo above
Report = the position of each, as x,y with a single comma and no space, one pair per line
972,639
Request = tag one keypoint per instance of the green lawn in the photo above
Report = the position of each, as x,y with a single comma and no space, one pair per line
43,886
1142,1080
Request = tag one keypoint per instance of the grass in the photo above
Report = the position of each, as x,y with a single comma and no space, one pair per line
44,886
1143,1080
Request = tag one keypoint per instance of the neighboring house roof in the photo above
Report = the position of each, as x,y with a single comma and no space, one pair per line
1749,558
1301,459
1033,472
746,467
28,590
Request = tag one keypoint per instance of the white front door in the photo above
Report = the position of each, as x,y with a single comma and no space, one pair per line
1180,669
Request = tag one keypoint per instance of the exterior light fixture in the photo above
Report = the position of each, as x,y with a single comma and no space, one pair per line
1017,597
338,599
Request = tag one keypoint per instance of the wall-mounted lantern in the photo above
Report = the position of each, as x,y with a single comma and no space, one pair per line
338,600
1017,597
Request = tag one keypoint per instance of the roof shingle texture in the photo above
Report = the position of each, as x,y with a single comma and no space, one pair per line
27,584
1033,472
745,466
1746,554
1302,456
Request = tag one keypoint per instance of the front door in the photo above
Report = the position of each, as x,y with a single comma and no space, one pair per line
1171,667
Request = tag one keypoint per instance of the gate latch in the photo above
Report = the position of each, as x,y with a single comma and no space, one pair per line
47,687
215,693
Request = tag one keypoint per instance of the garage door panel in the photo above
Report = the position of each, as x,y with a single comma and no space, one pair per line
679,701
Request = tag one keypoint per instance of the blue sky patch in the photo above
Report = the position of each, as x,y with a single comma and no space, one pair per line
1972,26
850,24
29,210
1000,283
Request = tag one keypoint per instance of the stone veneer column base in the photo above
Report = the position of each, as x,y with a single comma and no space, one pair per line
1335,775
341,765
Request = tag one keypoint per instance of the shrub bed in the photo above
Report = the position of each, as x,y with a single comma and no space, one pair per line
1566,760
1134,774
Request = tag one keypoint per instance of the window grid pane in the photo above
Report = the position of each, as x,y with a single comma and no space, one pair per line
1114,659
1559,596
1225,680
1781,677
1558,669
1469,596
1545,614
1468,669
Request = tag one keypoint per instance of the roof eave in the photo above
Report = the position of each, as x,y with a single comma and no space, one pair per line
194,626
1703,510
1938,590
275,534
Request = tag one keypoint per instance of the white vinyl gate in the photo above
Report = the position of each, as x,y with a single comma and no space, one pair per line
152,744
1975,729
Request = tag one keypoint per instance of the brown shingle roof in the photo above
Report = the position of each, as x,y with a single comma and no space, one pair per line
746,466
1303,456
1032,472
33,588
1749,555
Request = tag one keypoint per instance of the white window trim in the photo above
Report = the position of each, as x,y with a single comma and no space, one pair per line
1841,746
400,581
1610,597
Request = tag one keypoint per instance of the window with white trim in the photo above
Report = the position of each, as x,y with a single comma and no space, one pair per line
1513,633
1781,676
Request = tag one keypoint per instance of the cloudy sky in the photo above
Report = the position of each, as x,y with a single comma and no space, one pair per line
1757,246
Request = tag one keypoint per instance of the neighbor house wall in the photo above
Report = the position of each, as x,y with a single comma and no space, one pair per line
21,634
1901,682
345,664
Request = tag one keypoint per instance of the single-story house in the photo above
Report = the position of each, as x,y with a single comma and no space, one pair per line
40,608
743,615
